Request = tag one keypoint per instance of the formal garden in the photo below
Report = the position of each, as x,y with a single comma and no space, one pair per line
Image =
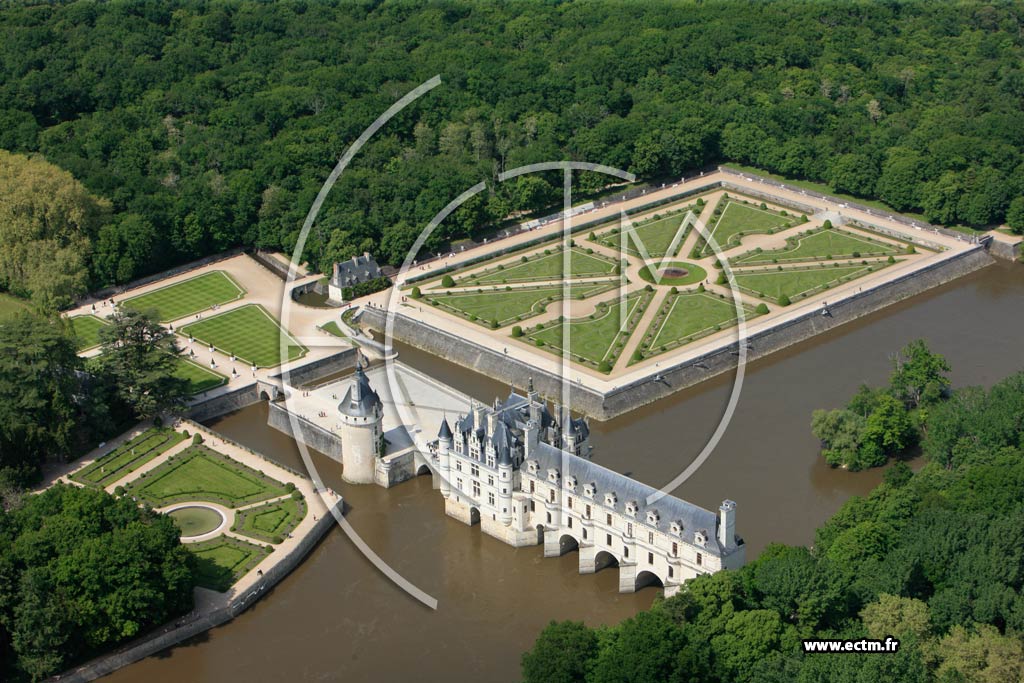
221,561
598,339
86,329
823,244
249,333
271,522
188,297
660,235
785,285
734,218
500,306
202,474
199,379
685,316
542,266
128,457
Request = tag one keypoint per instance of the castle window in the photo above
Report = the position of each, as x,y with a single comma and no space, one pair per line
625,551
549,518
458,465
653,517
608,539
608,519
490,498
610,499
584,533
551,495
590,489
533,487
671,572
588,512
570,483
532,467
629,529
569,504
570,522
476,489
490,481
700,559
631,507
474,470
553,475
675,550
650,537
458,483
650,558
490,460
532,506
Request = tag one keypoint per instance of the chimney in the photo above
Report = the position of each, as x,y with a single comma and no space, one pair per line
727,525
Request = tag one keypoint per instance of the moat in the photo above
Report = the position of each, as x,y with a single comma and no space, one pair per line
336,617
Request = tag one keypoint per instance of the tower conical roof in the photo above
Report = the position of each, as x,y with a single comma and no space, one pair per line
360,399
445,432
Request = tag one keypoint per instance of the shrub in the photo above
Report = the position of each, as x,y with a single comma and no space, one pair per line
617,270
761,308
517,331
784,300
185,433
721,280
891,260
119,491
507,288
604,366
911,249
700,288
501,266
277,539
827,225
494,324
638,355
589,250
447,281
783,213
158,421
648,288
674,290
289,487
416,293
523,259
763,205
538,342
297,495
856,254
197,439
592,236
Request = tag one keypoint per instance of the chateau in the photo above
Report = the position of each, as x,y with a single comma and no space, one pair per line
524,474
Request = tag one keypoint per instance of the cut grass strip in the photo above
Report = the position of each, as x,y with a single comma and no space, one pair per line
249,333
223,560
188,297
128,457
86,329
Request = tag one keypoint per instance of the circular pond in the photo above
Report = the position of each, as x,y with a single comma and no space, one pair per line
674,273
196,520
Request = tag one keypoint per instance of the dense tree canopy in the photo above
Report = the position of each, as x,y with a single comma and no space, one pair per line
214,124
934,559
81,571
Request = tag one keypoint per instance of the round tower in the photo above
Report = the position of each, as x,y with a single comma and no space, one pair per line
362,432
444,444
505,487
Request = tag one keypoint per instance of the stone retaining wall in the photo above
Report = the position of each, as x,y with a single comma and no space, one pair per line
314,370
1004,250
190,626
621,400
225,403
313,435
107,292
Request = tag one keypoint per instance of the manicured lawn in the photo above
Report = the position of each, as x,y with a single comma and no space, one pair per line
657,235
188,296
738,218
826,244
691,315
195,521
794,282
544,267
596,337
270,522
248,332
10,304
199,379
223,560
673,275
203,474
87,330
128,457
508,306
332,328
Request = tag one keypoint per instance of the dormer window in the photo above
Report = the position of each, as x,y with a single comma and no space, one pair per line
570,483
590,490
631,508
653,517
610,499
677,527
700,538
532,467
553,475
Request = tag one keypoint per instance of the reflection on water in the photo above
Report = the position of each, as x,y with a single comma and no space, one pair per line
335,616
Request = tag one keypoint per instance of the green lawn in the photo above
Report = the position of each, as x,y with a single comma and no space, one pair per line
332,328
508,306
795,282
690,315
188,296
825,244
128,457
200,473
200,379
542,267
223,560
248,332
87,330
738,218
10,305
195,521
595,338
694,273
272,521
657,235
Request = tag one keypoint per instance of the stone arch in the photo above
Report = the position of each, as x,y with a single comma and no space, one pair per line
648,578
567,543
423,469
604,558
540,534
474,515
264,396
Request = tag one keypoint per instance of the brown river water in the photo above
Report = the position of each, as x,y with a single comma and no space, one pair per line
336,618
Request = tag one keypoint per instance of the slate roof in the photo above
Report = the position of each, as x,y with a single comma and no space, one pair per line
360,399
356,270
670,508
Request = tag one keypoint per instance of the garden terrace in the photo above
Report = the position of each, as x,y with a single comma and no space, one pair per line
248,333
273,521
686,316
223,560
798,282
820,245
188,297
660,235
734,218
199,379
544,266
128,457
87,330
503,306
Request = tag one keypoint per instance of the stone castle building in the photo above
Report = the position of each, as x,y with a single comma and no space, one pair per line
524,474
362,433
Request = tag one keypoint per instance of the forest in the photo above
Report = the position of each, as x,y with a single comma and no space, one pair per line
934,558
192,126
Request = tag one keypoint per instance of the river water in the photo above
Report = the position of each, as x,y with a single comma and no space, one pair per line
336,617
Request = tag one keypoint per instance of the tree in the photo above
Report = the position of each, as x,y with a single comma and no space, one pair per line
984,655
853,173
139,358
39,382
47,221
562,654
918,376
892,615
840,433
644,648
83,571
1015,215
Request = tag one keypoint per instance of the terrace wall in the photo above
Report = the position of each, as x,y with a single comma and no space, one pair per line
604,406
313,435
